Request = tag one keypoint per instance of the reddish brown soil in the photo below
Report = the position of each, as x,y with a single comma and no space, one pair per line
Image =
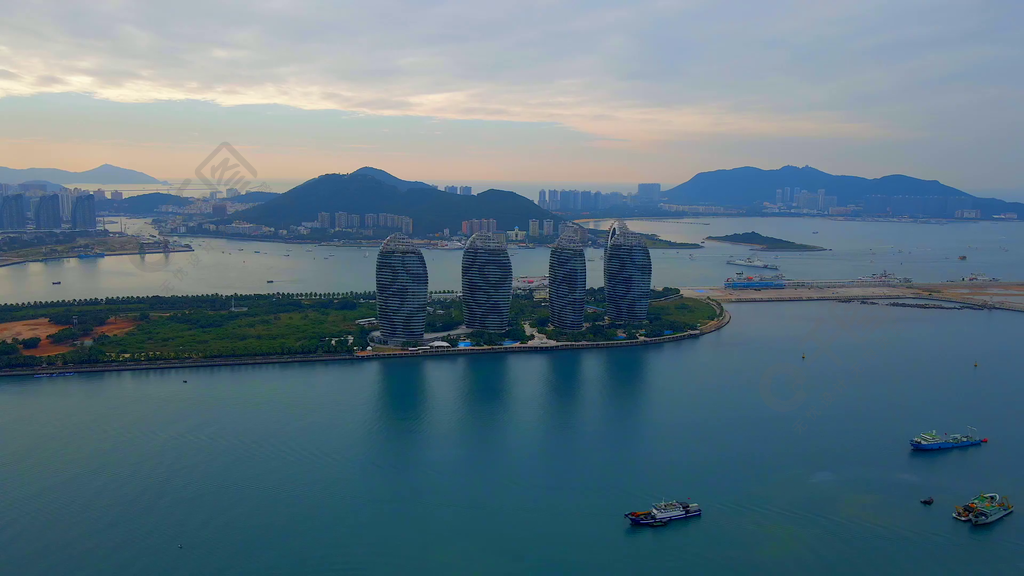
41,327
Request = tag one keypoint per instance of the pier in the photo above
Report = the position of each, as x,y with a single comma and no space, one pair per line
992,295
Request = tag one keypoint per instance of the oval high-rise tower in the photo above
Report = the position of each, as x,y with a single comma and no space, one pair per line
486,283
627,275
401,290
567,281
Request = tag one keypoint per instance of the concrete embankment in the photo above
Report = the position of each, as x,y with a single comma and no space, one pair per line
16,261
993,295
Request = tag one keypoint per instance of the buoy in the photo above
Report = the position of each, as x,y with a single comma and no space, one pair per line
180,546
984,439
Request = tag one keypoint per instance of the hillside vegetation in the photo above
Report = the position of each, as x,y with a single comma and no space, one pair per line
748,186
432,210
766,243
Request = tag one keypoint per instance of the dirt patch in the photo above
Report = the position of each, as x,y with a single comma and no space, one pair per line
115,327
41,327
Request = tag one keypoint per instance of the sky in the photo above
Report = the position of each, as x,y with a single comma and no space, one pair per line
534,90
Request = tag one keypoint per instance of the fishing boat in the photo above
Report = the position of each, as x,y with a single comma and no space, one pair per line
663,513
932,441
989,514
983,509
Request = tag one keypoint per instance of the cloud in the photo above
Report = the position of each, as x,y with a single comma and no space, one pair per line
646,71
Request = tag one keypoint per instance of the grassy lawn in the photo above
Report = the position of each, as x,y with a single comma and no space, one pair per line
201,333
679,315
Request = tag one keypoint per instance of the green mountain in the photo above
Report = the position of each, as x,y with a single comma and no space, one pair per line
432,210
253,197
141,204
386,178
746,186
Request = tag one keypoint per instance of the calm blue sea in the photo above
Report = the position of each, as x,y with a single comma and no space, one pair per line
925,252
525,463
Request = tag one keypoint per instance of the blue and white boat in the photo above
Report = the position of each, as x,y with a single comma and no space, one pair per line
932,441
662,513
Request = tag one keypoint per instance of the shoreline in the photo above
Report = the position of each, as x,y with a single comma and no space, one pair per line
717,324
15,262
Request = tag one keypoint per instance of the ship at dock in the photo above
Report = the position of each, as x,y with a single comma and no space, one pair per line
932,441
753,263
742,281
885,277
663,513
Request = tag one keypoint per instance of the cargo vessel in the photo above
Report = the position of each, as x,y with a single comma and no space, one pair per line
753,263
932,441
663,513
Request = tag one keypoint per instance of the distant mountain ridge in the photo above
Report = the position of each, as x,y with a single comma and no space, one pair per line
748,185
253,197
386,178
105,174
141,204
370,191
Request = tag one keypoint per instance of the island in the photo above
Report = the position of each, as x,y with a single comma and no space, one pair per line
145,332
655,241
765,243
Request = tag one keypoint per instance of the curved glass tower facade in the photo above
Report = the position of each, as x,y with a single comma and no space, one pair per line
567,281
486,283
83,213
48,213
401,290
12,212
627,275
